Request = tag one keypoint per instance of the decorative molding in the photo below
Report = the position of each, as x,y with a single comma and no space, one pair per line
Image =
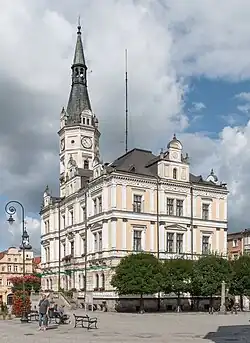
175,227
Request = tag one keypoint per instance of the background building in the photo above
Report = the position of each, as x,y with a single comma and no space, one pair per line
238,243
139,202
11,265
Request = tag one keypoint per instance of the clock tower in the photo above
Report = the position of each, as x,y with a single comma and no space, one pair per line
79,134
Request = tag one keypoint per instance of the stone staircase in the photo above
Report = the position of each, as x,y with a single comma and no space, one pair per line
57,297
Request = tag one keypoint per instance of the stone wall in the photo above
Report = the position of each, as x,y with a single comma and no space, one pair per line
151,304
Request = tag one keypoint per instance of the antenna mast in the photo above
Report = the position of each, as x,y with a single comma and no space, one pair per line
126,100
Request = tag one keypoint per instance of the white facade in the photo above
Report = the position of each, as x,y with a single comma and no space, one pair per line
140,202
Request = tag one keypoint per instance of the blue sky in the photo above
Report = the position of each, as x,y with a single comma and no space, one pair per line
221,105
189,74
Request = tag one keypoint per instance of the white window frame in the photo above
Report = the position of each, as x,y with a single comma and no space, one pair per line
209,209
235,243
143,237
140,192
209,235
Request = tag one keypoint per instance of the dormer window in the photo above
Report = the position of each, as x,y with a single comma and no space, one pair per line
132,169
87,121
175,173
83,121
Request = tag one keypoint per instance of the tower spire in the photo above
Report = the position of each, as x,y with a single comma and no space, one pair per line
79,98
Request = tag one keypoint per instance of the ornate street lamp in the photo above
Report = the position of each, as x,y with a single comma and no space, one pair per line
25,245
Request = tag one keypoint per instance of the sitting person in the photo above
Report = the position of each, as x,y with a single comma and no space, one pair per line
63,317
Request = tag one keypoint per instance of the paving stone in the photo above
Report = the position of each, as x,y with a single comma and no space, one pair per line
127,328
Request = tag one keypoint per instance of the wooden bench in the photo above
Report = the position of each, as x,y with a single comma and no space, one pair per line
34,315
58,318
86,321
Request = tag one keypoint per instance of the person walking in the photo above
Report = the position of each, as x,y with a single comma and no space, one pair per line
43,312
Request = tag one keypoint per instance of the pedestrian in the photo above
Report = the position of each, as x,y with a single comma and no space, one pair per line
43,312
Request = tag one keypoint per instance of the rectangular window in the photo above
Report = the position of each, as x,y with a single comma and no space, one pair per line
205,244
83,246
95,242
72,248
8,283
137,240
100,240
83,213
71,217
205,211
1,282
9,268
15,269
170,207
179,243
3,269
95,206
100,204
64,250
235,243
170,242
179,208
63,221
137,205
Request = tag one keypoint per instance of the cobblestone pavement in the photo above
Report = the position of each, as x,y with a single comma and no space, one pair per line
153,328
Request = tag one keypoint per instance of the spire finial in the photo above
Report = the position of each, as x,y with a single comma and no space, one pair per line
174,136
79,25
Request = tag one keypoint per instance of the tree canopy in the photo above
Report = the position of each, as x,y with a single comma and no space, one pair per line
177,275
240,283
208,274
138,274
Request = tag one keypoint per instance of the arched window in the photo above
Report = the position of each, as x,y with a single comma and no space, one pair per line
79,282
47,284
103,281
96,281
81,72
86,164
51,284
77,72
175,173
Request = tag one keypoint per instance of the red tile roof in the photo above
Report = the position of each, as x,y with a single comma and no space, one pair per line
37,260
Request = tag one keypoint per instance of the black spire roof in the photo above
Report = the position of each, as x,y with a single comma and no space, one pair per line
78,98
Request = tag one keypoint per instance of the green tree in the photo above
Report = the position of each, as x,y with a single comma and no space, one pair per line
176,277
138,274
240,284
208,274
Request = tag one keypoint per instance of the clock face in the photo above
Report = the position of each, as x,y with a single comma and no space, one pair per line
62,144
175,155
86,142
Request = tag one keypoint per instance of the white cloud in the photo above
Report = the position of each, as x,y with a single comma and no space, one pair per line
167,44
208,43
245,96
198,106
244,108
12,234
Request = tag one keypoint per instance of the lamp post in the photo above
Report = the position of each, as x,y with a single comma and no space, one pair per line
25,245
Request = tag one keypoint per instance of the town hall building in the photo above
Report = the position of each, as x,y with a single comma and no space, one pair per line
139,202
